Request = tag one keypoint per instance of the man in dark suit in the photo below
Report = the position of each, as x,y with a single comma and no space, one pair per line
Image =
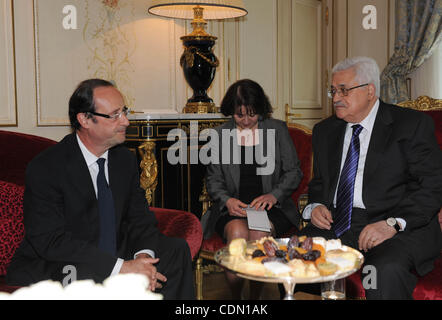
83,206
377,181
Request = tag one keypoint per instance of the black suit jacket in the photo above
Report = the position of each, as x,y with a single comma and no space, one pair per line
402,174
62,221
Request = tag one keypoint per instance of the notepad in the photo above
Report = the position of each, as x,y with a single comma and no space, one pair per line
258,220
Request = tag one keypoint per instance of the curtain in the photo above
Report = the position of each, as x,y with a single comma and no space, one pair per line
418,33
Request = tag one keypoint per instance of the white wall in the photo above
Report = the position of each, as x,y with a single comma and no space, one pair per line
263,46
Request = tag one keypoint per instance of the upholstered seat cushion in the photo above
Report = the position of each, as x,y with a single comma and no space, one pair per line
437,117
213,244
11,222
303,144
180,224
428,287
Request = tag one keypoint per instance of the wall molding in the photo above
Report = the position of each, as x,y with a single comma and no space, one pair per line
8,83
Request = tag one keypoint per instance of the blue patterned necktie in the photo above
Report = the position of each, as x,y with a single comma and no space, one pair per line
344,196
107,241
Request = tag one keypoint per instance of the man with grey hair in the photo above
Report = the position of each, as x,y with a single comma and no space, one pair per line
377,181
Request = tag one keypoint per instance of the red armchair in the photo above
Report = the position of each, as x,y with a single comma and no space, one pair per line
180,224
302,139
16,150
428,287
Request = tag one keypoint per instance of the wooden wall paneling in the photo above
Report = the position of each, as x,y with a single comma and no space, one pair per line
8,89
305,64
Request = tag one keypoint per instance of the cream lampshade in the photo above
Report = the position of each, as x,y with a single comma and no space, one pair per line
198,60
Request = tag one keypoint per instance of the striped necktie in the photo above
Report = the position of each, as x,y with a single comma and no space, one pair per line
106,210
344,196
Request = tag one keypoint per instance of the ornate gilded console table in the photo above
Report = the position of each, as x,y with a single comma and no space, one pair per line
173,186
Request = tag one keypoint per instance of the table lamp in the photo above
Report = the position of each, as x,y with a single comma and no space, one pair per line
198,61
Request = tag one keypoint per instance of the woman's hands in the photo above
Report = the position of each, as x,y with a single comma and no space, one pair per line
236,208
264,202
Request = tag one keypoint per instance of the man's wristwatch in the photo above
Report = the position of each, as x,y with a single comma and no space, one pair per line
392,222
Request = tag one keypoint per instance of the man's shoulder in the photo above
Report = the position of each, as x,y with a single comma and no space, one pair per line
327,123
55,152
50,160
122,153
404,115
403,111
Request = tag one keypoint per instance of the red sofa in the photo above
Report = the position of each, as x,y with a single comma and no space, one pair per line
16,150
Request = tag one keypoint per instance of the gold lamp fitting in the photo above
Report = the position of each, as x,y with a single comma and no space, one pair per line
199,26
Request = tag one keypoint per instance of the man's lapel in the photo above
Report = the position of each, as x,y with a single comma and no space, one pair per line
335,143
378,142
117,177
79,175
78,170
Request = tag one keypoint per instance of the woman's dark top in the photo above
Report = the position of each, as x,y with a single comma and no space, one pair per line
250,187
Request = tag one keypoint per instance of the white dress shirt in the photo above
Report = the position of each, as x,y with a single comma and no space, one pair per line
91,162
364,139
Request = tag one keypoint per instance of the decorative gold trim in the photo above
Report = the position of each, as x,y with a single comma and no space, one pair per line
189,57
170,127
200,107
149,169
134,135
422,103
204,198
150,135
199,278
301,127
288,114
144,140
